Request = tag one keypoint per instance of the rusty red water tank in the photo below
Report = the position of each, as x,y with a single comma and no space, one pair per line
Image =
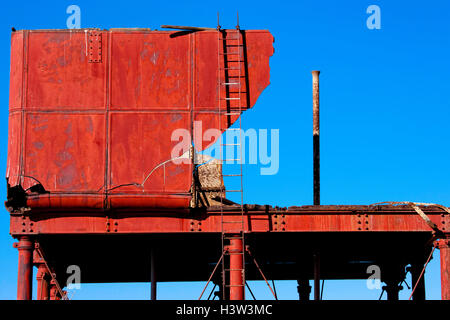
91,112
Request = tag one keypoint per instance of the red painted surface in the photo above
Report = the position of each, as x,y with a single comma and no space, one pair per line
444,247
92,112
237,285
43,283
299,219
25,268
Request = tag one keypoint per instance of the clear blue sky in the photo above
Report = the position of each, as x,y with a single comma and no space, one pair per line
385,108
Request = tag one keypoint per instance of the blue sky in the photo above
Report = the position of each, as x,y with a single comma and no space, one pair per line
384,109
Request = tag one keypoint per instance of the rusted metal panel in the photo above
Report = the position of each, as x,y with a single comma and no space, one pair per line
60,77
16,75
92,113
150,71
67,147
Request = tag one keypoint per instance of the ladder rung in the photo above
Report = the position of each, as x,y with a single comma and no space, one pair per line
236,61
230,68
233,190
230,98
231,114
232,175
230,83
232,237
234,45
231,144
238,38
233,221
234,285
228,252
234,269
229,54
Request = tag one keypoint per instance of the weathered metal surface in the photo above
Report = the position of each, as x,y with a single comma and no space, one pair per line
257,219
92,113
316,138
444,248
236,269
25,247
43,283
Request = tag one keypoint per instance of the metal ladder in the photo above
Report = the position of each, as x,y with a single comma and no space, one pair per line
231,71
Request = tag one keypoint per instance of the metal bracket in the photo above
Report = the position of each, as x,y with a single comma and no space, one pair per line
95,47
279,222
195,225
111,224
363,221
23,226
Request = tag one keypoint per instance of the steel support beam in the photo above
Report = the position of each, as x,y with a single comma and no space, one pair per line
25,247
444,248
316,276
153,274
237,285
296,219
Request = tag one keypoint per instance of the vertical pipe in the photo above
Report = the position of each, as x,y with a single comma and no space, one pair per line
43,283
316,139
316,276
444,248
419,292
237,286
153,274
25,268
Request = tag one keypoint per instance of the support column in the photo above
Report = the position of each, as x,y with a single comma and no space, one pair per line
237,285
419,292
304,289
43,283
153,274
444,248
25,268
392,274
316,276
392,289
